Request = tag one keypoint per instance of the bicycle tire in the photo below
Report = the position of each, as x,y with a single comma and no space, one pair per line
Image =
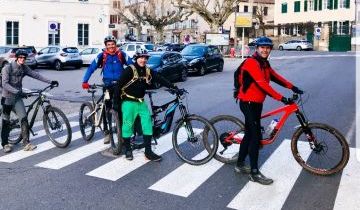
177,144
90,121
238,126
15,129
306,163
116,141
53,139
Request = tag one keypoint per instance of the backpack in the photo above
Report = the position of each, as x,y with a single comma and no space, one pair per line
237,83
147,77
10,70
119,55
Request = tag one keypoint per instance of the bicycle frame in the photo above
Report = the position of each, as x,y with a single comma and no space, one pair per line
287,110
99,104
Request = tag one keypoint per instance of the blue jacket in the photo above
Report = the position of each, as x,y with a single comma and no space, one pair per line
113,68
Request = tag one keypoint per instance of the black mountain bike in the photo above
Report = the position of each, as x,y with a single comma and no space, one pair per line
55,122
187,138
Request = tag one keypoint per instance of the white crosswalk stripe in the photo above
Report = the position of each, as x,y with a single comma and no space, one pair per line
120,167
253,194
349,188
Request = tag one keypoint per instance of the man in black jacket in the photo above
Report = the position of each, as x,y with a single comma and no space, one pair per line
131,88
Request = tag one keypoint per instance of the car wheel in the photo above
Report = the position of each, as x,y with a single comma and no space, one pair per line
221,66
183,75
201,71
78,66
281,48
298,48
58,65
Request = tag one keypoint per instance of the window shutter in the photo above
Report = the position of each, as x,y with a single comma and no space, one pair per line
331,4
346,27
347,4
336,4
305,5
316,5
320,4
335,27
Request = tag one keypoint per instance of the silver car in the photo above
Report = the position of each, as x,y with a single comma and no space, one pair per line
8,53
296,45
58,57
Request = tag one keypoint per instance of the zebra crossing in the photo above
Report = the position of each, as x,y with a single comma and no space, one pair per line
185,179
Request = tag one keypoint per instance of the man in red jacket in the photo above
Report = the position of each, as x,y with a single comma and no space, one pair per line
254,77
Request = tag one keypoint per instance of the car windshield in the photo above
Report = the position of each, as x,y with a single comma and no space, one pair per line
154,60
149,47
193,50
71,50
29,50
4,50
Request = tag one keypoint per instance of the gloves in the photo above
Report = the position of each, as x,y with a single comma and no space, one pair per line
85,85
54,83
297,90
21,94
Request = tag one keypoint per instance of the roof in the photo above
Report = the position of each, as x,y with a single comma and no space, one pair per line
261,1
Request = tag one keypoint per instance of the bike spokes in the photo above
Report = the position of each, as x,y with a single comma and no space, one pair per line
57,127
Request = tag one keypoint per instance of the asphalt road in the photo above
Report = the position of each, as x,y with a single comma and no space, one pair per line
81,180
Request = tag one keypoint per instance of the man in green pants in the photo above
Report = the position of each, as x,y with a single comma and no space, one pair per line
131,88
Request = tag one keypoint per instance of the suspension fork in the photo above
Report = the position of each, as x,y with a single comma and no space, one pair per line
305,125
188,126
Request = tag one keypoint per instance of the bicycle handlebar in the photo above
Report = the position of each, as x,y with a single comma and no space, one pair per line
177,92
37,92
96,86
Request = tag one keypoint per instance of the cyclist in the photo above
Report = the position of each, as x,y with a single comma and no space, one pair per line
12,76
131,89
255,76
112,61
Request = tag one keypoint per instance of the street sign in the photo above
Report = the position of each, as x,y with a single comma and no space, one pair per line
53,27
317,31
111,25
243,19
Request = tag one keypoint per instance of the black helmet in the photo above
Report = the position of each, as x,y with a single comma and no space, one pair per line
20,52
141,53
264,41
109,38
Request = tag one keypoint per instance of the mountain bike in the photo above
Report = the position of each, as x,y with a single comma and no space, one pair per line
319,148
92,115
55,122
187,137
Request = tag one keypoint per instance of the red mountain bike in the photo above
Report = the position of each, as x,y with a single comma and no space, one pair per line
317,147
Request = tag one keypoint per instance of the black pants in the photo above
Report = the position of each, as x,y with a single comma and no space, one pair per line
251,141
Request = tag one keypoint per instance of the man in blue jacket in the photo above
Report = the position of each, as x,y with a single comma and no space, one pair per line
112,61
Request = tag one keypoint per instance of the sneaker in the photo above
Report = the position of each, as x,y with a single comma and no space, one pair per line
129,155
243,169
260,178
107,139
29,147
7,148
152,156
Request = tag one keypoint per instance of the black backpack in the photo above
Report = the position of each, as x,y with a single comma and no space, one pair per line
237,83
10,70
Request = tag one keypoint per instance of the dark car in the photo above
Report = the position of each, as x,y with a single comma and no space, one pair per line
170,65
175,47
202,58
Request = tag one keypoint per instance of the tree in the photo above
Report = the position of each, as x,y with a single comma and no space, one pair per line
159,14
131,15
259,16
214,12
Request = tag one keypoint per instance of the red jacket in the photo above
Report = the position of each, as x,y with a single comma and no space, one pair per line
260,73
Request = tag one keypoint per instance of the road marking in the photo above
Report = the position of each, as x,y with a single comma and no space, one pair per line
187,178
40,122
120,167
311,56
19,155
349,188
74,155
252,194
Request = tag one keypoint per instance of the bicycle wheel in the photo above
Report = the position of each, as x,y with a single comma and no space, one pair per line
189,141
327,153
87,121
116,141
57,127
226,127
15,129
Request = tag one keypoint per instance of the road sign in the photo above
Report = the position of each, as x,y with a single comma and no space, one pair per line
243,19
53,27
317,31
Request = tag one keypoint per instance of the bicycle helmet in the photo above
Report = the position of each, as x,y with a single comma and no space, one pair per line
141,53
21,52
109,38
264,41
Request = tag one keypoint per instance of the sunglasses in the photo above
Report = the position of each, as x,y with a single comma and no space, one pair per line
23,57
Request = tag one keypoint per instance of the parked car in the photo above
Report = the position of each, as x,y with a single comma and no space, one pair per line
162,47
9,54
3,53
203,58
175,47
130,48
3,62
296,45
58,57
170,65
89,54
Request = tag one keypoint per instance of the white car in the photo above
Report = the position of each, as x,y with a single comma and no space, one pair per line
130,48
89,54
296,45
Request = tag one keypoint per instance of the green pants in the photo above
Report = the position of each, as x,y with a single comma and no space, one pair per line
130,110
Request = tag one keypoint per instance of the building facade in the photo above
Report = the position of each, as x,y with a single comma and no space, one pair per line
327,23
79,23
